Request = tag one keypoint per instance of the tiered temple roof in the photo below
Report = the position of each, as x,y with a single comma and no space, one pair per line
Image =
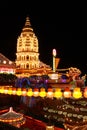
13,118
27,55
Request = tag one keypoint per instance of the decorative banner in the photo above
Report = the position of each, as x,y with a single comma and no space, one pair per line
57,60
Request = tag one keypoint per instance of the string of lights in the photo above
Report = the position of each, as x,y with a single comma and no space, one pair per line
42,92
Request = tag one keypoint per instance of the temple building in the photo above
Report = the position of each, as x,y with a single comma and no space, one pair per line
27,55
6,65
13,118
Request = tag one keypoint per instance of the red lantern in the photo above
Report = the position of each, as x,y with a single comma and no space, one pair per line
5,90
58,93
85,92
50,93
24,92
67,93
14,91
1,89
36,92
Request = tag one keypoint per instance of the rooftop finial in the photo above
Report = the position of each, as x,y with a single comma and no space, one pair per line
27,23
10,109
27,27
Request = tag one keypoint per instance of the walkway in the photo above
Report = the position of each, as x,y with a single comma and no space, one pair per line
35,124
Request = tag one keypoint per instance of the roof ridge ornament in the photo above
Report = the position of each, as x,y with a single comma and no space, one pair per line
11,109
27,23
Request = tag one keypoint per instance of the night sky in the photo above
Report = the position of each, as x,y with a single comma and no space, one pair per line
64,29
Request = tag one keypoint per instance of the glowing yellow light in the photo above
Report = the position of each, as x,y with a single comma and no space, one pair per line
29,92
14,91
24,92
42,92
50,93
2,89
77,93
36,92
85,92
10,90
58,93
67,93
5,90
54,52
19,92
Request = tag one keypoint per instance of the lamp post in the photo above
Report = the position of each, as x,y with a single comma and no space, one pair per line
49,127
54,55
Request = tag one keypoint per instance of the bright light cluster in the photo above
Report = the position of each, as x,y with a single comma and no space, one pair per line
42,92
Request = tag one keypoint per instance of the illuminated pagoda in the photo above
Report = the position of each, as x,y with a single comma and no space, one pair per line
13,118
27,55
6,65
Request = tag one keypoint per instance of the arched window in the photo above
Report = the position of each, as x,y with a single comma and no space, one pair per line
27,57
22,49
24,57
24,66
27,66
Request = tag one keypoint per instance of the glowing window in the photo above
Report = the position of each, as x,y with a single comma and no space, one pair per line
10,62
4,61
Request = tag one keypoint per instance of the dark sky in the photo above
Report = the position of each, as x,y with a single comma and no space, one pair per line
62,28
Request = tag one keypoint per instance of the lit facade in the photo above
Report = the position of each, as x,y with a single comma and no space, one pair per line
27,55
13,118
27,48
6,66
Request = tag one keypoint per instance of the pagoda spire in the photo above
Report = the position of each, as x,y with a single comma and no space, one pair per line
27,27
27,23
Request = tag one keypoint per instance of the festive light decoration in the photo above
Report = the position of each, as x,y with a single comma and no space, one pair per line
19,92
58,93
29,92
5,90
85,92
14,91
54,52
2,90
42,93
49,127
50,93
36,92
10,90
67,93
54,64
24,92
77,93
